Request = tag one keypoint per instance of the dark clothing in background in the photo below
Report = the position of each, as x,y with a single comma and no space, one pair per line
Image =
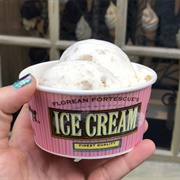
169,23
95,17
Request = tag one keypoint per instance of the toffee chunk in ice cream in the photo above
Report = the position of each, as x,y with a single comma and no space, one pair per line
94,65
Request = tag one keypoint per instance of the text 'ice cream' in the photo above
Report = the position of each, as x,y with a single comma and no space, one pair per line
94,65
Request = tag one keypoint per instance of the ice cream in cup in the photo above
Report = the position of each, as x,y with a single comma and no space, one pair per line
91,103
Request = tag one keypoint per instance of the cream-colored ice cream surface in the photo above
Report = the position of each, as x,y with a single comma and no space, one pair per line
108,56
94,65
79,75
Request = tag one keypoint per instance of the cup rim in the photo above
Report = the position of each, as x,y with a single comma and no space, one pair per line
89,92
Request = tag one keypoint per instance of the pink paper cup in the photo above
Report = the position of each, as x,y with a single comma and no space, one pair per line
88,124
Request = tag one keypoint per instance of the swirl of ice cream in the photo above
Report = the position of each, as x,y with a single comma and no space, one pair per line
83,30
111,16
149,19
79,75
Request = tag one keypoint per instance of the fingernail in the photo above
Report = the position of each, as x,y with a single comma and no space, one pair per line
23,81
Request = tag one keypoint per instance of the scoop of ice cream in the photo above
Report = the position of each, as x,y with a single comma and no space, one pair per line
79,75
149,19
105,54
111,16
83,30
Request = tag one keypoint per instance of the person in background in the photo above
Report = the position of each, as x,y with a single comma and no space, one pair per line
21,158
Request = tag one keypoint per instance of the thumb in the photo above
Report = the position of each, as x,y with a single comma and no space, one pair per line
11,100
13,97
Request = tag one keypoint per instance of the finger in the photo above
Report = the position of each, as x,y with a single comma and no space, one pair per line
11,100
22,129
119,166
22,122
5,122
145,126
